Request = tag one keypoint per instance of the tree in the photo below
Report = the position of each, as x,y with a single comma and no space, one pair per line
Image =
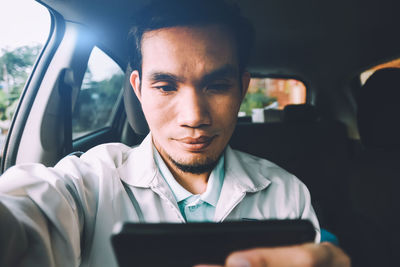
3,105
15,66
256,99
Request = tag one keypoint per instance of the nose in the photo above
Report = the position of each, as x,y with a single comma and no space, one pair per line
194,109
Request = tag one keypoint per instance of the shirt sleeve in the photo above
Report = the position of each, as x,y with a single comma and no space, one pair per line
306,210
41,216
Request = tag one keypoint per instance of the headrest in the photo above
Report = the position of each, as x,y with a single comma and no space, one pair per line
300,113
133,108
273,115
378,113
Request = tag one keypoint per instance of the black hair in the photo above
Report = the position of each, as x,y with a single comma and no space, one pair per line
159,14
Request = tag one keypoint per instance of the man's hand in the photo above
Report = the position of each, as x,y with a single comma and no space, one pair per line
310,254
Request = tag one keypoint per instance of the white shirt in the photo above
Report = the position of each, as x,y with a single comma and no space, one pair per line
67,213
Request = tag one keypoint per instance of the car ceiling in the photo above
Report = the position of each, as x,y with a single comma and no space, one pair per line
309,37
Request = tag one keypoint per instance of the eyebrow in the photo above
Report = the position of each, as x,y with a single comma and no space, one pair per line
164,76
226,71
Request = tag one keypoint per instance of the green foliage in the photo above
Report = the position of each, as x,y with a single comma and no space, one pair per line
10,110
18,62
15,66
255,100
3,105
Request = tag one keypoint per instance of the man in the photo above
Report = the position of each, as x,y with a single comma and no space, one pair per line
189,75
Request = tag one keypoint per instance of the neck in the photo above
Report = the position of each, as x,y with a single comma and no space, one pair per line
194,183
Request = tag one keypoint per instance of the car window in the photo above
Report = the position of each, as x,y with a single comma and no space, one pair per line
98,96
272,93
366,74
25,26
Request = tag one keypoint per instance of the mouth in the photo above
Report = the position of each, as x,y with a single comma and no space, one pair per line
197,144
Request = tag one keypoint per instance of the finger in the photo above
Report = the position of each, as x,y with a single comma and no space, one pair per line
310,254
334,256
276,257
205,265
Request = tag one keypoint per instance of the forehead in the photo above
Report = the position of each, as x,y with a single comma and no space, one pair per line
190,49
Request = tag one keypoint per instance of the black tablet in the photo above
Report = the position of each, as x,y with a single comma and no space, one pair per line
184,245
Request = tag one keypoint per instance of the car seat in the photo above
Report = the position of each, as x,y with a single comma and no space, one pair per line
374,178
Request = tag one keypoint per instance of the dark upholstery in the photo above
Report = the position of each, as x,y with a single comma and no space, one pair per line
378,110
300,113
273,115
315,151
374,177
134,112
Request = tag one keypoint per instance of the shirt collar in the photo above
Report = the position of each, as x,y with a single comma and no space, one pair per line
214,185
179,192
244,173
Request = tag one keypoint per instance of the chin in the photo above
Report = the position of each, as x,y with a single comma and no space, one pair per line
192,159
197,165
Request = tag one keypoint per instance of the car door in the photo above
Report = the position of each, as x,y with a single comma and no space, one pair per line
63,95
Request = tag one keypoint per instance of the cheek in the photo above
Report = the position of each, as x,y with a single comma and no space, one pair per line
226,109
157,112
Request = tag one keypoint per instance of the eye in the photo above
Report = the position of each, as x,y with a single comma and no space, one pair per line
219,87
164,88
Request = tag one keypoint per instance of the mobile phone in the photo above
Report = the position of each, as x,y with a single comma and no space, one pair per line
185,245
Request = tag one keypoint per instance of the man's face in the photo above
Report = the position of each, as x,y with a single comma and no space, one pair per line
190,92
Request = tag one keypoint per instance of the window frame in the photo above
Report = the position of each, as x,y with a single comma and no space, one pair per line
287,76
116,109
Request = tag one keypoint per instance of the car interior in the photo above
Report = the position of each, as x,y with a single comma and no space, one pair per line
343,143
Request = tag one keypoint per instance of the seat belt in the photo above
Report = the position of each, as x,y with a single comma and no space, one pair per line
65,90
134,202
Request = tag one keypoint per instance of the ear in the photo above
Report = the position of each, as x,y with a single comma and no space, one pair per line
245,83
135,82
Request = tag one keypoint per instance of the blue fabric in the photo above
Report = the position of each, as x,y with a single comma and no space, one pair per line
200,207
327,236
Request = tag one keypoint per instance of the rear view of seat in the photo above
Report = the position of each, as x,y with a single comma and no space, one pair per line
313,150
374,180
